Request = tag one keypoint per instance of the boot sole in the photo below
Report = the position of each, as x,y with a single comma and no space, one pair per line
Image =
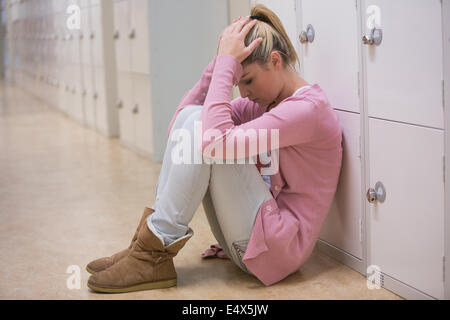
139,287
90,270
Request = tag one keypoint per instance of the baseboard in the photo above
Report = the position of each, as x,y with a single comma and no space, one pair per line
387,282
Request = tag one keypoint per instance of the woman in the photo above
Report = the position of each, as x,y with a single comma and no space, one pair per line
266,223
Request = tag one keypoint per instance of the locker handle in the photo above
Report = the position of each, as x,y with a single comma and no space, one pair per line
95,95
136,109
377,194
374,38
116,34
308,35
132,34
92,36
119,104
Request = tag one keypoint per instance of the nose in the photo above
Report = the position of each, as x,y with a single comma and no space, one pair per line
244,93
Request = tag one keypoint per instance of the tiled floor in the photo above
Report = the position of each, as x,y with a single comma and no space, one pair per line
69,195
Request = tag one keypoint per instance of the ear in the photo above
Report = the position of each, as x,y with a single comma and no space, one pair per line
276,60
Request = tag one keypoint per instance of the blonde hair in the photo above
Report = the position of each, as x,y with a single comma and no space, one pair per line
274,38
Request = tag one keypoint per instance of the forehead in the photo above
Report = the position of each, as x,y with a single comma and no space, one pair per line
251,69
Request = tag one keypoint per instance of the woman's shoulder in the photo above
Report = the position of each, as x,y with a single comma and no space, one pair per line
313,94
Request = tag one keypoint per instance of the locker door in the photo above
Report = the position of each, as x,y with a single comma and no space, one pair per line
121,35
125,104
140,40
143,114
78,79
341,228
99,96
96,36
406,230
404,73
71,75
403,84
332,58
86,64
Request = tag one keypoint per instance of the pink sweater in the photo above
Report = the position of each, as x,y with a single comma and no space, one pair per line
310,156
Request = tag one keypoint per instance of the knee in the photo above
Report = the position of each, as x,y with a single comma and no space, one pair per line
184,114
193,116
188,110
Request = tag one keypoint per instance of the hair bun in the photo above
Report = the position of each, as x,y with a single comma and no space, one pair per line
263,19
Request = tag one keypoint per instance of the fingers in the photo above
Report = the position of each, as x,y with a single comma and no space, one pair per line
252,46
238,24
247,27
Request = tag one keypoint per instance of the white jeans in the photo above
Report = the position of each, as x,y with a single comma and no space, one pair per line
231,194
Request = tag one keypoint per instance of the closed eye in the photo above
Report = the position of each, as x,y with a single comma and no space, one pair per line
249,81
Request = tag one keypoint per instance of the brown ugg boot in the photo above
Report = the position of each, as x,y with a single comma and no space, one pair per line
104,263
149,265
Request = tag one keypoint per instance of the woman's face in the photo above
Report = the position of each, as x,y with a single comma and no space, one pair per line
260,85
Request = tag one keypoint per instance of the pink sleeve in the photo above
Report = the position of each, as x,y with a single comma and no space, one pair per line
197,94
290,123
241,110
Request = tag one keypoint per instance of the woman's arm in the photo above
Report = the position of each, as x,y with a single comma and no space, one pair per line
292,122
197,94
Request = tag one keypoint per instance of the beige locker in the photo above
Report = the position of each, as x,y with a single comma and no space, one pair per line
389,97
133,80
122,35
405,145
139,36
125,104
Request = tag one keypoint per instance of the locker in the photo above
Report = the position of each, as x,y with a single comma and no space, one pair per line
99,97
406,234
87,66
125,104
142,113
121,35
405,145
140,37
338,80
404,74
390,102
133,75
96,36
342,227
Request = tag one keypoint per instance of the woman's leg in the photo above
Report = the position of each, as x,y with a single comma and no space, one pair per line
167,162
232,201
231,193
181,187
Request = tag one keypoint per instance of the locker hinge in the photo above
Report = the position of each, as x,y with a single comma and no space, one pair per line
356,4
359,86
360,230
443,268
443,168
359,147
443,95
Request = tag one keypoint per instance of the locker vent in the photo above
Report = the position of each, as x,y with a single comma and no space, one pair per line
381,278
